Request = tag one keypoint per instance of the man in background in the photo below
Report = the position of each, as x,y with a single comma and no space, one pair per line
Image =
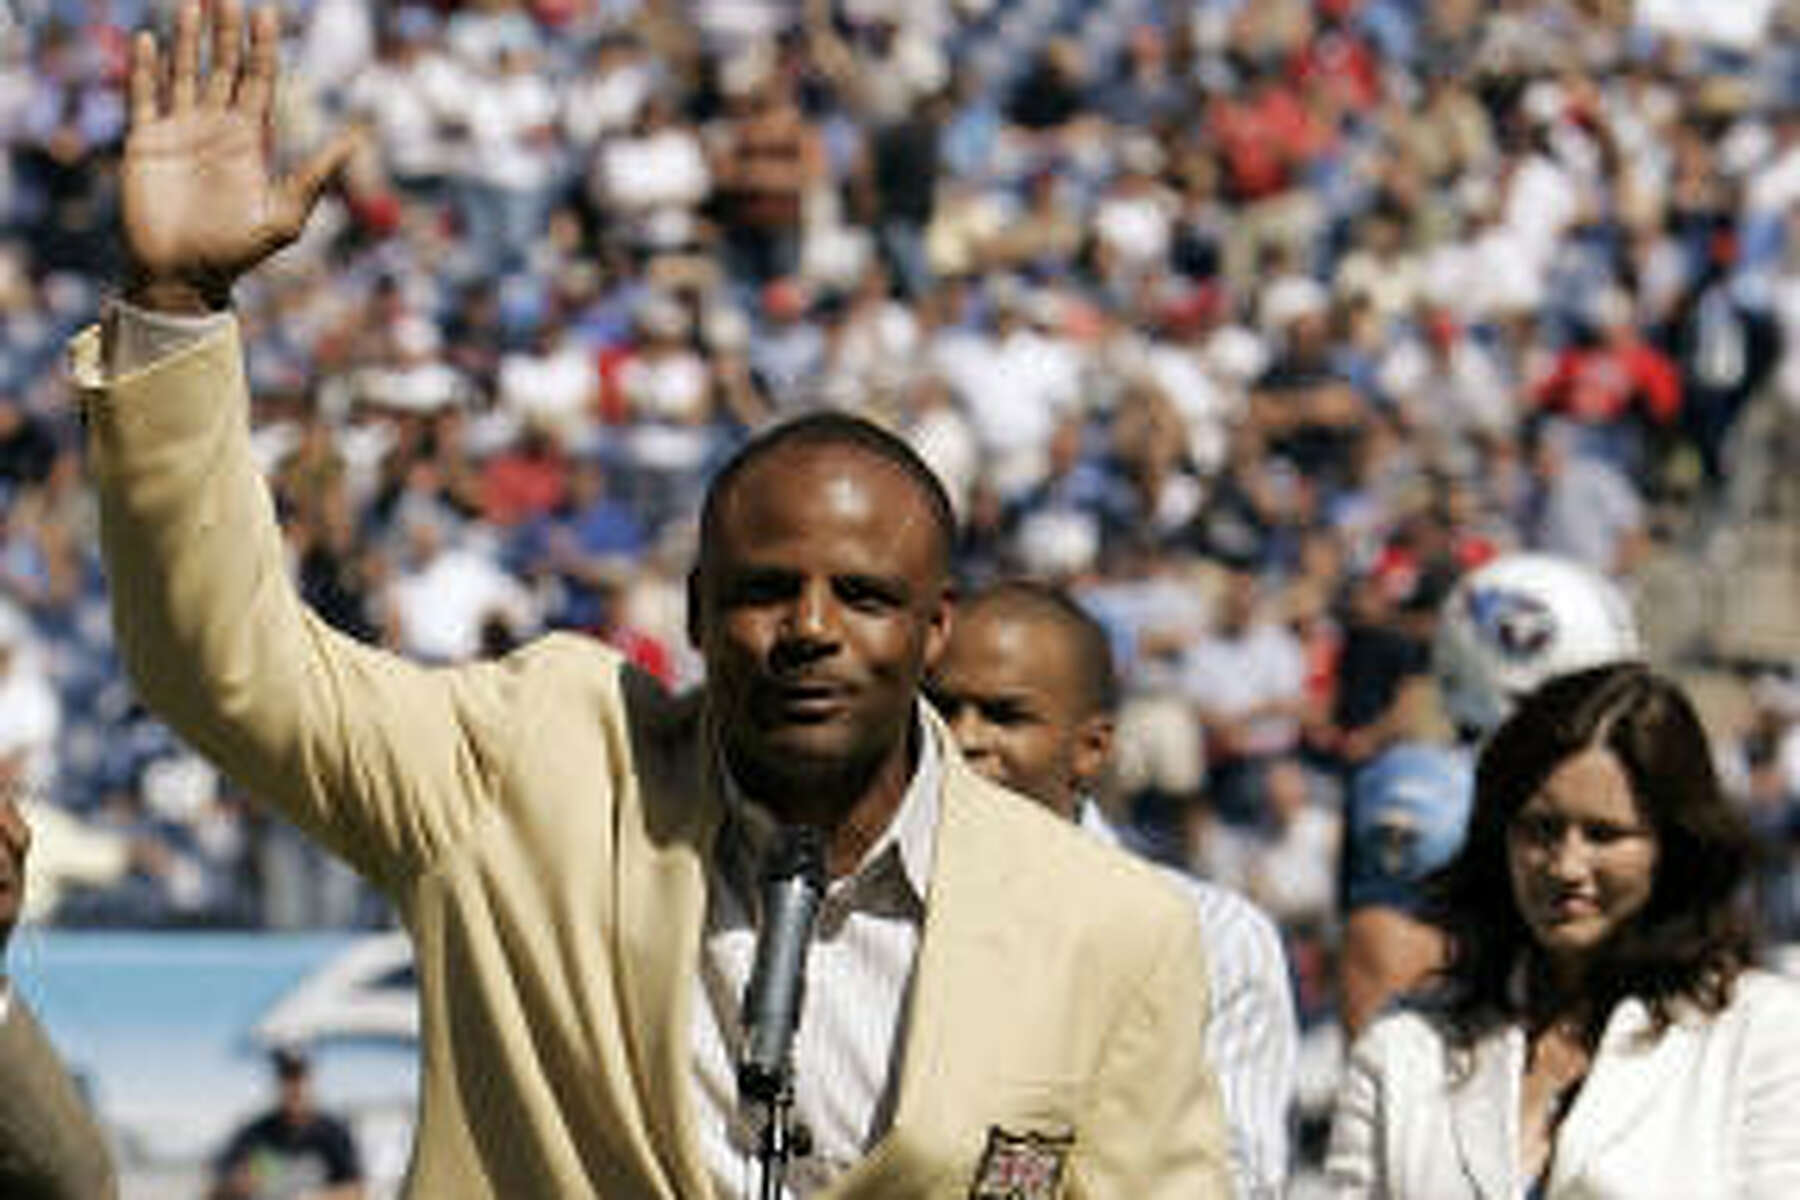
295,1149
1028,688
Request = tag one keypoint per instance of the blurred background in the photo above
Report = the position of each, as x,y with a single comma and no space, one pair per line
1255,324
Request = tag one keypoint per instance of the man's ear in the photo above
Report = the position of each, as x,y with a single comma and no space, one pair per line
1092,752
696,627
938,625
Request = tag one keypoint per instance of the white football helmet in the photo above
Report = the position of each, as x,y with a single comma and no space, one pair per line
1517,621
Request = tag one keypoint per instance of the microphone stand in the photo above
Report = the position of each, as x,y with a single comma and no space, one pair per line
778,1141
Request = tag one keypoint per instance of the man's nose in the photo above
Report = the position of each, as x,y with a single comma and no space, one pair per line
813,614
809,627
969,730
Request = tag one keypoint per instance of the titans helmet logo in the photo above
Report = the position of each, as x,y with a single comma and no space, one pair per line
1518,625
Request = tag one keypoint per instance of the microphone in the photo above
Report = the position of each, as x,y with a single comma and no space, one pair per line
793,882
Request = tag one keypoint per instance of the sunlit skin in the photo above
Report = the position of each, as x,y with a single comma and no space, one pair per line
197,199
820,600
15,843
1582,856
1009,685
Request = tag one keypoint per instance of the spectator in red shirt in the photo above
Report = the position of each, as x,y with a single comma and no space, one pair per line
1338,60
525,480
1266,138
1622,393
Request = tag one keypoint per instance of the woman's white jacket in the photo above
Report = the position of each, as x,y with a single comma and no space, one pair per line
1709,1109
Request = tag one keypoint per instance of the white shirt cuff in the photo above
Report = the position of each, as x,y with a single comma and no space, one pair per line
140,337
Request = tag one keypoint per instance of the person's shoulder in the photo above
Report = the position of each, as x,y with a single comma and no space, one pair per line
1767,996
565,662
255,1131
1408,1030
568,680
1065,866
1223,911
1759,1027
1242,943
561,648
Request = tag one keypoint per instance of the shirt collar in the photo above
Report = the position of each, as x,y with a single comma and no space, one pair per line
909,841
1089,817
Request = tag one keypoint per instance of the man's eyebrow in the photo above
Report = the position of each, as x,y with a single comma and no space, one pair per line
897,584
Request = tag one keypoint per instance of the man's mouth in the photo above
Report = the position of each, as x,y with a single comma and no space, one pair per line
810,701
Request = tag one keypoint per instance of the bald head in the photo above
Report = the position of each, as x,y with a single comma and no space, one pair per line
823,432
1049,611
1026,684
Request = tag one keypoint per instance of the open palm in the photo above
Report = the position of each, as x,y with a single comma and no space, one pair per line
200,204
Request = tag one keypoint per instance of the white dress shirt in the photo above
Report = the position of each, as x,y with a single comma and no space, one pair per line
1252,1034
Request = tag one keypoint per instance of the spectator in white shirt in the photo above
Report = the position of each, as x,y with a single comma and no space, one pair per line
1134,221
406,95
553,383
1016,390
1247,682
604,101
657,170
30,710
449,602
511,158
1447,386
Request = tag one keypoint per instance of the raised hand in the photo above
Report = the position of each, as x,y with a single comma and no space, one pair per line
200,204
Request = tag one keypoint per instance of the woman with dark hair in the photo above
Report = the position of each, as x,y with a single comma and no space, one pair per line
1598,1029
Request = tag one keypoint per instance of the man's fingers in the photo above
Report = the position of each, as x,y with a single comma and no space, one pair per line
258,85
300,191
227,50
186,58
143,79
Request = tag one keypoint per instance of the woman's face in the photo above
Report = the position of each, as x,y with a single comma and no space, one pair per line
1582,856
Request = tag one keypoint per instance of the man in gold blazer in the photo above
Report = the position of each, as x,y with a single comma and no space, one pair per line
996,1006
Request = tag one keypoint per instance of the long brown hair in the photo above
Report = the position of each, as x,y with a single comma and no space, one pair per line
1692,937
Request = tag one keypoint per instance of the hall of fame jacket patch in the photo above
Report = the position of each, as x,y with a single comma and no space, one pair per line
1021,1166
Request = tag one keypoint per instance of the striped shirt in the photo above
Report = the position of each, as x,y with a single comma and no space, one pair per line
847,1047
1252,1034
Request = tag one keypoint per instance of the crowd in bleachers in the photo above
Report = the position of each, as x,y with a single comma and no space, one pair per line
1255,323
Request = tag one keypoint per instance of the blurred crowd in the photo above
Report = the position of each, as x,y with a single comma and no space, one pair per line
1253,323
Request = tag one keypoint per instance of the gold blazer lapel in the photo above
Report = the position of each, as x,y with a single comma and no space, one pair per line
972,934
973,929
